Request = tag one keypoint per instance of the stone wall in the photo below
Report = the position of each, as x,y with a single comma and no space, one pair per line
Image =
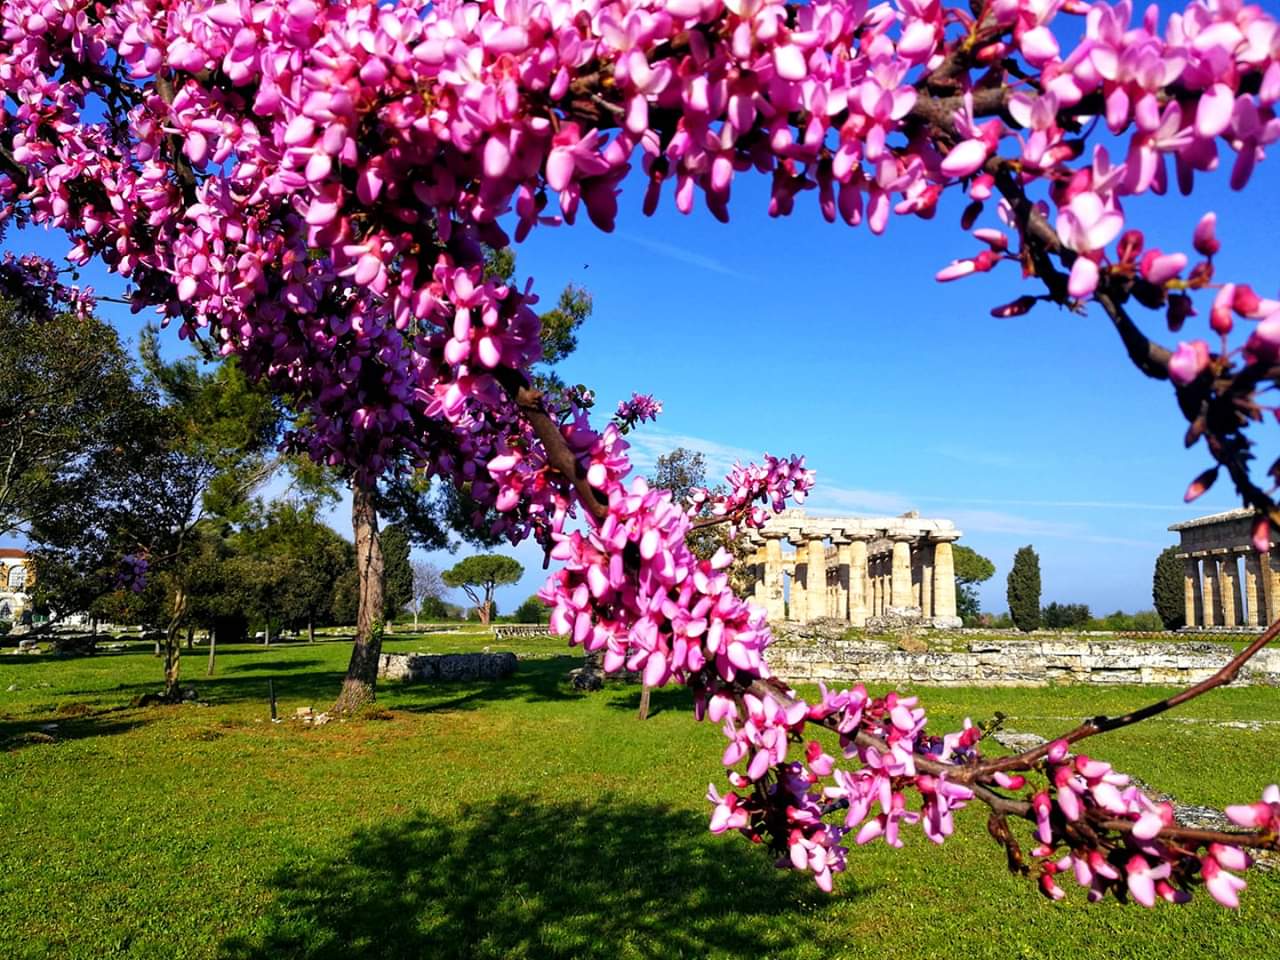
1012,663
446,666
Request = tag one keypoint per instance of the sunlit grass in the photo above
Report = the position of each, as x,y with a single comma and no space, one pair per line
515,819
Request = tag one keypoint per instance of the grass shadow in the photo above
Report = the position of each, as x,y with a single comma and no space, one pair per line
676,698
534,681
59,726
279,666
525,878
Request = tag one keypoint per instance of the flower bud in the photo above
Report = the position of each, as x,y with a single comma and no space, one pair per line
1205,237
1220,315
1200,484
1130,245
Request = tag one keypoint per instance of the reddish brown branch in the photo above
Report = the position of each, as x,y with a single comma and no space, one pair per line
1029,758
559,456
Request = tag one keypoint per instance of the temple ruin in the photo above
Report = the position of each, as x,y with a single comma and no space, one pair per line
856,568
1214,549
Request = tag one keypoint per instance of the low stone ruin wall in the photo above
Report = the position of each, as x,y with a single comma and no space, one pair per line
1013,663
502,631
446,666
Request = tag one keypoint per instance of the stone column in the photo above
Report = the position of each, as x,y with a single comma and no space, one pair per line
1271,584
858,598
816,586
1229,587
925,549
1193,598
773,595
844,577
757,576
799,601
944,585
1253,589
1212,595
917,578
900,574
873,583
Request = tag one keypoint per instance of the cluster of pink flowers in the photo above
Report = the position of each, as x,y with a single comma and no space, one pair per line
1140,863
310,186
641,408
755,492
787,801
29,275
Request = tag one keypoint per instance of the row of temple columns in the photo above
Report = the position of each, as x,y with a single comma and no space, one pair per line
856,578
1217,596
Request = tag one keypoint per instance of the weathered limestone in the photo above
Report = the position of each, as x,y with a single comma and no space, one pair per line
844,577
806,653
1191,589
774,599
1252,589
900,573
817,572
858,582
1229,587
849,569
1215,593
944,585
448,666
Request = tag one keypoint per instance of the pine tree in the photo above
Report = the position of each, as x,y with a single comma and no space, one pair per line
1024,589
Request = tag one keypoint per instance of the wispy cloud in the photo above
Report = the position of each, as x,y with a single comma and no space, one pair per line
691,257
830,500
1166,507
978,457
650,443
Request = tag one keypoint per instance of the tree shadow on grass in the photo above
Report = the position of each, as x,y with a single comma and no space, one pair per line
299,681
59,726
535,681
523,878
673,697
279,666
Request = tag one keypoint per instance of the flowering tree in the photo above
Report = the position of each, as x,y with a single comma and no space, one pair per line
310,186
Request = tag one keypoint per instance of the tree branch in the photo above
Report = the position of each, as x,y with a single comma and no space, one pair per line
559,457
1027,759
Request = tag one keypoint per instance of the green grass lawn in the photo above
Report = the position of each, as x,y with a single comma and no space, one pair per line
516,819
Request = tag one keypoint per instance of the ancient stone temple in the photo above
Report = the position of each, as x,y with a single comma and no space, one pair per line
1228,583
856,568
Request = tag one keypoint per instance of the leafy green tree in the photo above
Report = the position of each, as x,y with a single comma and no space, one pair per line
478,576
67,396
435,516
1024,589
1065,616
1167,589
200,440
971,569
397,590
532,610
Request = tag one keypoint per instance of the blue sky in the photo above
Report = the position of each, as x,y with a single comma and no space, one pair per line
798,336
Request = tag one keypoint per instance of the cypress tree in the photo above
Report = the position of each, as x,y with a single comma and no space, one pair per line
1167,591
1024,589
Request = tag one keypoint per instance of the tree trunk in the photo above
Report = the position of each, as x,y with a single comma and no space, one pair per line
311,630
415,620
173,649
191,636
266,634
213,648
644,702
484,608
362,671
